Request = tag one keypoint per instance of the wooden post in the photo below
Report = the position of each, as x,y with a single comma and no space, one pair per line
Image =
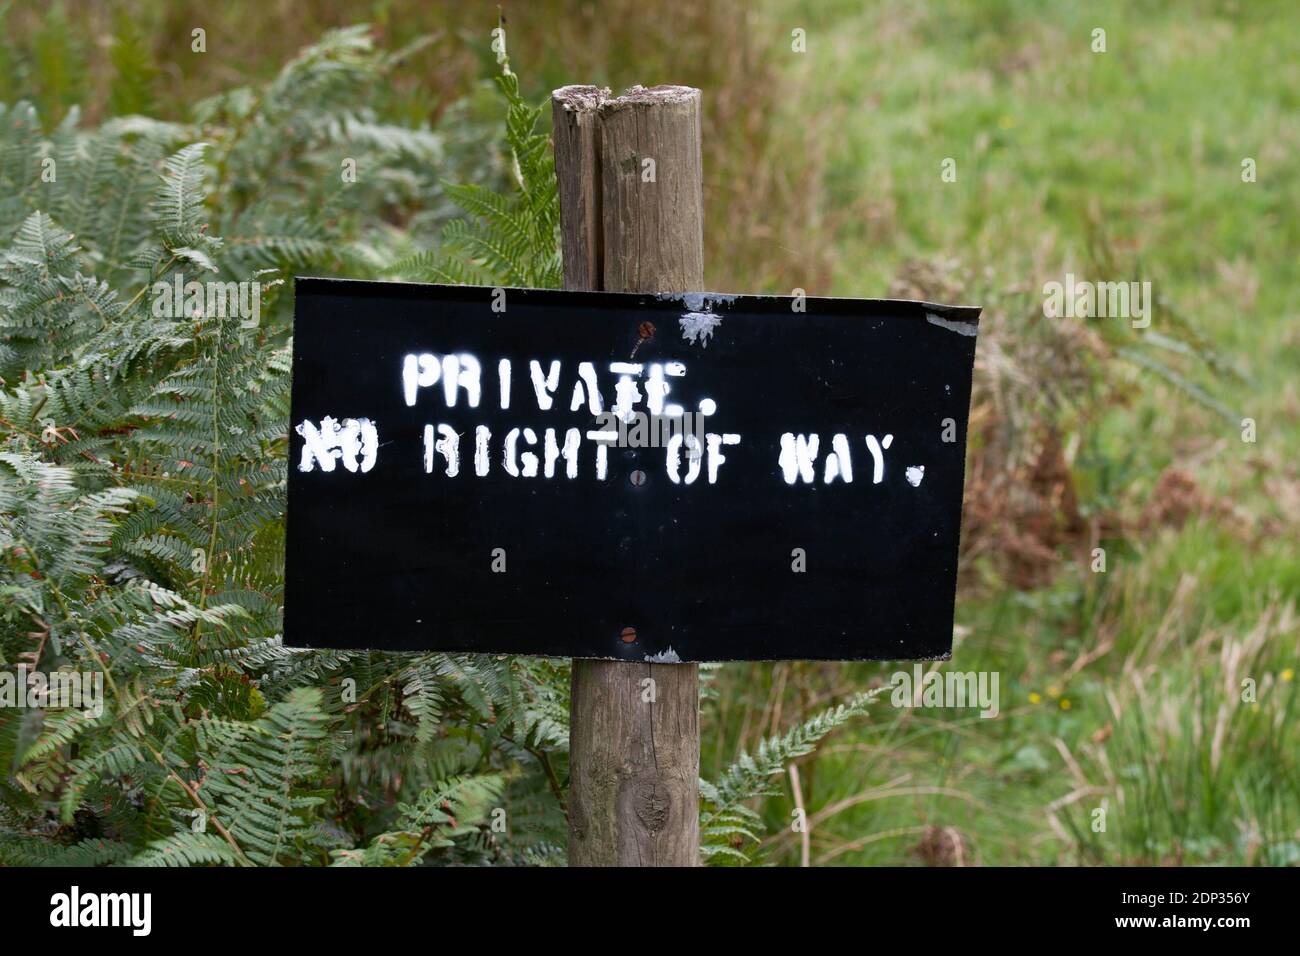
632,218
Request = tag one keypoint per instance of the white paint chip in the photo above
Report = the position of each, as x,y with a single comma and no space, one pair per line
961,328
697,327
697,301
663,657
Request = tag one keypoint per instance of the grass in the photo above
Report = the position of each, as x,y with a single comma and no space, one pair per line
1121,691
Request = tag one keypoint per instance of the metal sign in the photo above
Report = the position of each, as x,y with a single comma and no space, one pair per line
588,474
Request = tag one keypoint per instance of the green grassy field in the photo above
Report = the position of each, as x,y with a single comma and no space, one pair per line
1120,690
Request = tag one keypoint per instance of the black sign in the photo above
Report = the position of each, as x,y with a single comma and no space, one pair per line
588,474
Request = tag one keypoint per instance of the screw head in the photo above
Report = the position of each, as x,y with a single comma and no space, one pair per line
628,635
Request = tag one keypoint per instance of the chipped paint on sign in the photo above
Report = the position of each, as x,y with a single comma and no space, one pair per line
961,328
697,327
697,301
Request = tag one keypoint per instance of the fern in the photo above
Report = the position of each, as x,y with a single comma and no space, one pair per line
508,239
729,830
187,849
58,62
262,778
134,75
458,807
142,478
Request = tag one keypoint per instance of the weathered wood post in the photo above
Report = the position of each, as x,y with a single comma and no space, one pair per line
632,217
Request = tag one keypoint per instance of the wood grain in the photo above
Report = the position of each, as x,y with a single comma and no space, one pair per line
634,736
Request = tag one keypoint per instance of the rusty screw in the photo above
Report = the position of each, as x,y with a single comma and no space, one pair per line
629,635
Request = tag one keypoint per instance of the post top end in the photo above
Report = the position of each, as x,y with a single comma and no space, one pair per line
583,99
580,98
651,96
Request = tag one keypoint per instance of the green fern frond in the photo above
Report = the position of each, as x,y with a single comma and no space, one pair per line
131,89
263,777
726,825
